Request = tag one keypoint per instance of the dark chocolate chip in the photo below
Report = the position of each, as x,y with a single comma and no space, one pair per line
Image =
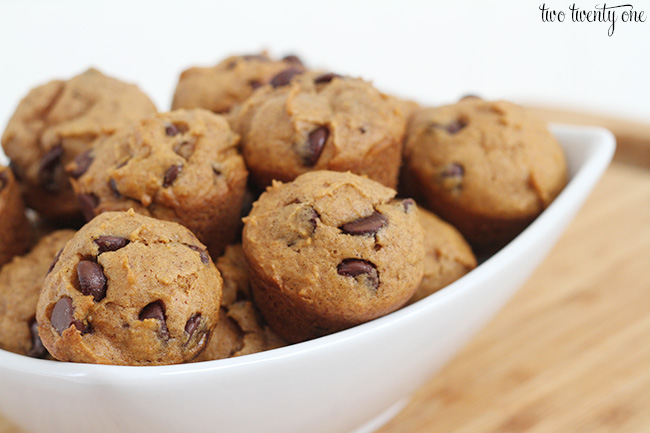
63,316
113,186
156,310
172,130
88,203
359,268
171,174
47,168
4,180
205,258
110,243
56,259
408,204
292,58
455,126
451,176
326,78
37,350
193,323
283,78
255,84
315,144
363,226
82,163
92,281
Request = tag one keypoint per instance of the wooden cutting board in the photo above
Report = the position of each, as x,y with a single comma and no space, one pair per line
571,351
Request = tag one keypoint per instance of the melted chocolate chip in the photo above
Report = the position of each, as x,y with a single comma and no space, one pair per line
363,226
358,268
156,310
92,281
113,186
110,243
205,258
171,174
326,78
451,176
283,78
56,259
192,323
255,84
88,203
172,130
47,168
4,180
315,144
37,350
63,316
82,163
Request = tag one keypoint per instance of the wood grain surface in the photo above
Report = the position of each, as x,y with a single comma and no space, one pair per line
571,351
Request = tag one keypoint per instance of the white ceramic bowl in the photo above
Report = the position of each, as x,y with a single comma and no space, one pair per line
351,381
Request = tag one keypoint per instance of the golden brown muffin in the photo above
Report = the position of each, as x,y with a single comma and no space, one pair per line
21,282
447,256
321,122
181,166
132,290
230,82
488,168
15,233
58,121
329,251
240,329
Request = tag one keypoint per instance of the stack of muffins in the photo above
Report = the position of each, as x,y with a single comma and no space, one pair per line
274,204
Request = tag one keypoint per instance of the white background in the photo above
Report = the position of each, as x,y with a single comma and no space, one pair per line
430,51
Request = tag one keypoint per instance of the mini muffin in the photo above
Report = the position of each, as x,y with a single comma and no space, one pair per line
240,329
15,233
180,166
321,122
488,168
221,87
130,290
60,120
329,251
21,282
447,256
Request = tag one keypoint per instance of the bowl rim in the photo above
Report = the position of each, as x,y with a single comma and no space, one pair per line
598,149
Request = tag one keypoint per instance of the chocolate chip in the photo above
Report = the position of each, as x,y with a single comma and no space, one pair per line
408,204
292,58
156,310
283,78
193,323
205,258
326,78
113,186
455,126
88,203
172,130
82,162
92,281
63,316
360,269
110,243
47,168
37,350
56,259
4,180
171,174
451,176
255,84
315,144
363,226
